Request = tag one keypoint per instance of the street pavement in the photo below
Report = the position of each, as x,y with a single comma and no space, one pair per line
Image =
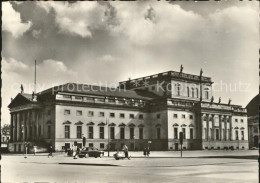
195,166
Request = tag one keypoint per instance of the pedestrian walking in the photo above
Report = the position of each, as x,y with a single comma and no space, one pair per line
145,151
75,152
50,152
148,151
125,149
34,150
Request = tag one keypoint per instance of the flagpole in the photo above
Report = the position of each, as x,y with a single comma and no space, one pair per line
35,77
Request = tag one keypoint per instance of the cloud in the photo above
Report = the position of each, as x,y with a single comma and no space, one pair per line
13,66
36,33
14,73
76,18
11,21
107,59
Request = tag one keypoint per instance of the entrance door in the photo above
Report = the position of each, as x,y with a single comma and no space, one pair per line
191,146
112,147
255,141
176,146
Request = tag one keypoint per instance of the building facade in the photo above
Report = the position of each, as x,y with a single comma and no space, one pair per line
148,111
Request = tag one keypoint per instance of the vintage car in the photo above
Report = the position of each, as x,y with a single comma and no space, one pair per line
91,152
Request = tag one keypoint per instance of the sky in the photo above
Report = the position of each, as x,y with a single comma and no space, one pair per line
107,42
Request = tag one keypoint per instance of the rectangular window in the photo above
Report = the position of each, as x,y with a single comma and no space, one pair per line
183,116
141,133
91,145
67,145
184,133
122,115
90,113
112,115
112,132
131,116
79,145
101,132
78,98
242,135
122,133
90,132
236,120
158,133
67,96
79,132
191,133
175,115
141,116
158,116
67,132
102,145
242,120
79,113
175,133
206,133
132,133
48,132
191,116
66,112
101,114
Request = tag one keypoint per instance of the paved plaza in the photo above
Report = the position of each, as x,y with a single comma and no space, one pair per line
196,166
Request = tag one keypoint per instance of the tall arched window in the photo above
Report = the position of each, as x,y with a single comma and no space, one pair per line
192,92
206,93
178,88
188,91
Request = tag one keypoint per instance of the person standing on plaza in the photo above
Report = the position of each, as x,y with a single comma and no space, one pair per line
125,149
75,152
34,150
145,151
148,151
50,151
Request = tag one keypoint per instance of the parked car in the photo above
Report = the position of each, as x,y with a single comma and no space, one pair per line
91,152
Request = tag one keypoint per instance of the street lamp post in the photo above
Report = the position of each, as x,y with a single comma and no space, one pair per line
24,145
134,142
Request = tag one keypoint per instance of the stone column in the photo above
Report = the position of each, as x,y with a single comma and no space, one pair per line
220,127
37,124
225,127
15,127
230,130
207,121
213,127
202,126
11,128
32,124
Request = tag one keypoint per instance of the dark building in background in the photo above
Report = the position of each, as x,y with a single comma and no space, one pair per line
253,122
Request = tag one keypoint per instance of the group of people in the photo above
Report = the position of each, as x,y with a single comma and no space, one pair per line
146,152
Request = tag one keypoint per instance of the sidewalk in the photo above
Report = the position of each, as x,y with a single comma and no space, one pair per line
169,154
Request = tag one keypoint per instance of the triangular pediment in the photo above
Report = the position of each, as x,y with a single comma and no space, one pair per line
20,100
